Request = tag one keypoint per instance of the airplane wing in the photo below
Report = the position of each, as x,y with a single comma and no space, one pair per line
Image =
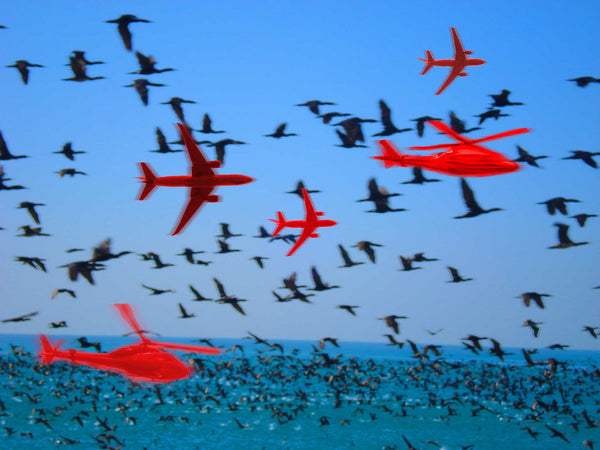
459,51
308,230
308,206
453,74
199,163
198,196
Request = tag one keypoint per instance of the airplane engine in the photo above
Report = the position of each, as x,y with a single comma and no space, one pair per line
214,164
213,198
320,213
463,74
468,52
314,235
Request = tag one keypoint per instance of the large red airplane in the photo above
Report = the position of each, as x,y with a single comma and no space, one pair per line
462,159
145,361
309,224
459,62
201,181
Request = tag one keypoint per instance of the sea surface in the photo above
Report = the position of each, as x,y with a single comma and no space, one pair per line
357,396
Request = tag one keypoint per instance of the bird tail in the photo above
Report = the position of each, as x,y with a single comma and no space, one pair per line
429,62
280,221
48,353
149,179
389,155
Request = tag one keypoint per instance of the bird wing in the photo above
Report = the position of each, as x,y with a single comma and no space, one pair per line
220,288
238,307
468,196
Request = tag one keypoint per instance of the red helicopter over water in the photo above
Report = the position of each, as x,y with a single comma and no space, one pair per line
145,361
465,158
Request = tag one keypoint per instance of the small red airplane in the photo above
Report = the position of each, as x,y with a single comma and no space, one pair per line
141,362
310,223
201,182
463,159
459,62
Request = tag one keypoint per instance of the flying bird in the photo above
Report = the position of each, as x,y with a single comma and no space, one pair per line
536,297
123,27
525,157
207,126
472,205
386,119
175,103
586,157
367,247
68,151
6,155
584,81
558,203
184,313
30,207
456,278
391,321
563,238
22,318
501,100
23,68
163,146
347,261
313,105
280,132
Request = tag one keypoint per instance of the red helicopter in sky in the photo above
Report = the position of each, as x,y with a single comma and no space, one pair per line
462,159
145,361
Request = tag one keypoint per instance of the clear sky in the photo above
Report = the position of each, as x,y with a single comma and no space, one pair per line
247,64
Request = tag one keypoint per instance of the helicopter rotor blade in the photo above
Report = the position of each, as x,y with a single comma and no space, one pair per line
501,135
188,348
127,314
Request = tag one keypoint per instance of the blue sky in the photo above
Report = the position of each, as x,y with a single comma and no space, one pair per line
247,64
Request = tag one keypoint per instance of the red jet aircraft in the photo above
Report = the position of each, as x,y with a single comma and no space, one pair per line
463,159
141,362
201,182
459,62
310,223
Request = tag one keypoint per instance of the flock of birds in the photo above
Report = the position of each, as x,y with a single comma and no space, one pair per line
279,368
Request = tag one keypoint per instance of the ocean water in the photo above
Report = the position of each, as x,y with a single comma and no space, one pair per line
358,396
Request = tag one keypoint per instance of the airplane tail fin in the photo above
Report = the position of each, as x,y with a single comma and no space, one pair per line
280,221
148,179
389,155
48,353
429,62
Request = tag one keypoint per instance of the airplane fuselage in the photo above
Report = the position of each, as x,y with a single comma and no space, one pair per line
202,181
453,62
140,362
304,224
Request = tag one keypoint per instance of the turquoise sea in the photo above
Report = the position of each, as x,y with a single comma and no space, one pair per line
359,396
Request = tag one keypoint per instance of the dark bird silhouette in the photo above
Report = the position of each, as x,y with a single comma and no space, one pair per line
582,218
207,126
496,350
591,330
158,264
78,67
353,128
419,178
419,257
36,263
408,444
220,147
68,151
527,158
584,81
23,318
79,55
141,86
63,291
23,68
61,324
563,237
102,252
184,313
225,233
421,123
536,297
367,247
163,146
313,105
347,261
347,142
298,190
348,308
386,119
556,433
83,268
70,171
472,205
328,116
29,232
259,261
30,207
262,233
123,27
558,203
233,301
534,326
391,321
175,103
6,155
407,264
586,157
501,100
459,126
280,132
197,296
558,346
456,278
379,196
393,341
156,291
475,340
224,247
84,343
319,285
490,114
